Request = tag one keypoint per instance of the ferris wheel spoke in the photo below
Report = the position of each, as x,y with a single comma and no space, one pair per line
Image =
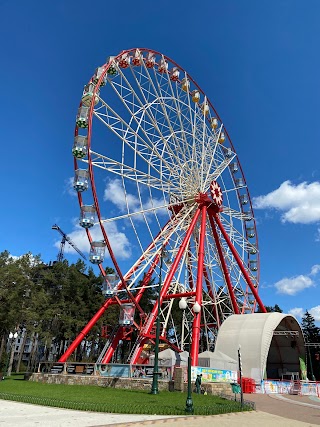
158,100
161,95
132,138
142,110
133,174
176,125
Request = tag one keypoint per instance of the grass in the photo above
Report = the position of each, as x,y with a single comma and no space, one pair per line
105,399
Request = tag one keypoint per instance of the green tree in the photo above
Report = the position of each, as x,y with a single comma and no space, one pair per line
271,309
312,336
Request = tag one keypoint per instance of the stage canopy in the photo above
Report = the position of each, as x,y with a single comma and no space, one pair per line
270,343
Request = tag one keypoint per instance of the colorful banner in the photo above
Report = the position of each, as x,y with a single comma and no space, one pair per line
146,371
214,375
305,388
270,386
114,370
309,389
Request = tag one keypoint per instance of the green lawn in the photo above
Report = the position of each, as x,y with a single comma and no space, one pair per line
104,399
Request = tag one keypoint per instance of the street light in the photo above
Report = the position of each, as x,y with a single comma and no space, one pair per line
240,375
12,337
196,308
164,256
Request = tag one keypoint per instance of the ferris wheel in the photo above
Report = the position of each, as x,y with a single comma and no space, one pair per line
162,192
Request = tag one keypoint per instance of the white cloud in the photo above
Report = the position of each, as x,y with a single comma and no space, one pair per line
114,193
315,270
293,285
118,240
297,312
69,187
299,203
315,312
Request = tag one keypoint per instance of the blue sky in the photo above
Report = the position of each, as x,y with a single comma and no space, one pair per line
257,62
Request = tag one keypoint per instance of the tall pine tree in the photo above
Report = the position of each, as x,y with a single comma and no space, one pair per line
312,335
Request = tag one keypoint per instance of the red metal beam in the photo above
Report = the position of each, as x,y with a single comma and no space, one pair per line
240,264
198,298
224,267
84,332
167,281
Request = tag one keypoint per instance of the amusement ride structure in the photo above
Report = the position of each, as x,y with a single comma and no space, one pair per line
160,175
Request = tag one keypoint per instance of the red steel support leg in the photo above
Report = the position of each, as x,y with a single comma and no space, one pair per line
145,282
238,259
167,281
84,332
198,299
211,294
224,267
113,345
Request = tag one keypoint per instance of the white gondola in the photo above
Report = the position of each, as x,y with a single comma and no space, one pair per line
253,265
214,122
80,146
251,232
137,58
124,61
185,84
195,95
81,180
239,182
96,77
150,60
174,75
87,216
163,66
83,117
228,152
248,216
112,70
126,316
97,252
109,285
222,138
234,167
253,250
205,108
243,199
88,95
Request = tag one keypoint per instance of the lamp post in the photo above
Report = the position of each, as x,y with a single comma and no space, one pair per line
164,256
12,337
240,375
189,402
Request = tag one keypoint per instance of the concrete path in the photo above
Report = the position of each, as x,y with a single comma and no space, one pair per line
272,410
292,407
13,414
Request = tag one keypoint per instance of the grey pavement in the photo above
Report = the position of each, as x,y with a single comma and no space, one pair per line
13,414
272,410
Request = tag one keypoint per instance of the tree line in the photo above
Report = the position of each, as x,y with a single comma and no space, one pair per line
50,304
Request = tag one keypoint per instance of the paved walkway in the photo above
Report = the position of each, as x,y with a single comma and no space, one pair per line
272,410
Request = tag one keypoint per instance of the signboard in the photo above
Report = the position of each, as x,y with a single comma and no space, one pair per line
146,371
114,370
214,375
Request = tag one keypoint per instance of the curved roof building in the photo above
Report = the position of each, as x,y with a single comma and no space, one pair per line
271,343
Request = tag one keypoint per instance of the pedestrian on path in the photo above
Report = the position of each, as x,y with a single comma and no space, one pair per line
198,384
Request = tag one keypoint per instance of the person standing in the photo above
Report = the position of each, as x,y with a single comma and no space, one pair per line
198,384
